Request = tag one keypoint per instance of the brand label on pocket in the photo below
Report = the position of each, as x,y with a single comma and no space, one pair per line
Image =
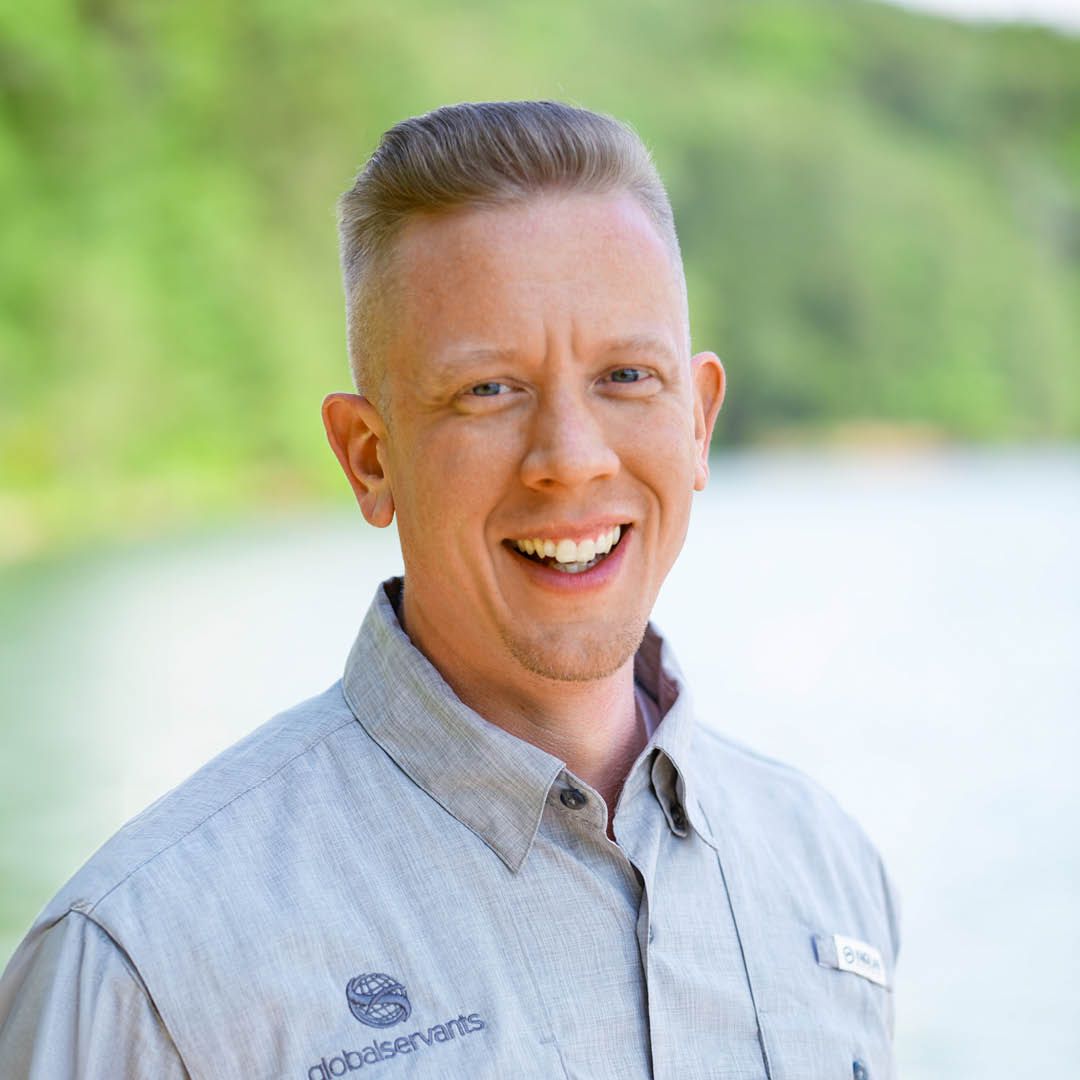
859,958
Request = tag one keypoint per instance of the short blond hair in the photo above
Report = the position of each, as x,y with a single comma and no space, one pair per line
492,153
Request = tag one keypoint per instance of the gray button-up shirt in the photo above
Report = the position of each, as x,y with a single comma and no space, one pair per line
380,881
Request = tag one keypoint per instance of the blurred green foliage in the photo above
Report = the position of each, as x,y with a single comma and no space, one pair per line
880,214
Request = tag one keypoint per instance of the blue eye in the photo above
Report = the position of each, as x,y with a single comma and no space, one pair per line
627,375
487,389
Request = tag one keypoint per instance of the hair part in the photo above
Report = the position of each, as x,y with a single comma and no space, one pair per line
494,153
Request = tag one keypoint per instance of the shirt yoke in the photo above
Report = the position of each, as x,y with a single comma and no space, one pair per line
234,775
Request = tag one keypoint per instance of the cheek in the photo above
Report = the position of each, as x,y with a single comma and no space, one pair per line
444,491
662,451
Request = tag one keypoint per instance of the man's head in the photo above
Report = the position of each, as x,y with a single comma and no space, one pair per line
538,398
496,153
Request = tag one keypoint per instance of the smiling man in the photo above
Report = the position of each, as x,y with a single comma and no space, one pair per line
541,433
503,845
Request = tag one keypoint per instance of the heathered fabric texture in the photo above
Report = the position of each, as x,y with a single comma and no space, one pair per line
380,882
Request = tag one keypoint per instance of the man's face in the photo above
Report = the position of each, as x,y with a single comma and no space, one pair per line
540,390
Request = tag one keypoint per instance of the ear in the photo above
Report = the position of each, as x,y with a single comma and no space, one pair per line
357,436
709,383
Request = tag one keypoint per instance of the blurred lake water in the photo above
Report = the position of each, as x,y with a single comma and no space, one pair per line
903,628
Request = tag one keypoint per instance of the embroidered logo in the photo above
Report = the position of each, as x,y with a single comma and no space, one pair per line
380,1001
377,1000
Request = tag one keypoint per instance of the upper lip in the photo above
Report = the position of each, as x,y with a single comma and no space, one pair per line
577,532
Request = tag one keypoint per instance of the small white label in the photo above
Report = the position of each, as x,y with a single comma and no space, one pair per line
860,959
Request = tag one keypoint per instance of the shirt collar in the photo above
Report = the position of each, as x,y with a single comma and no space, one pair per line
491,781
667,764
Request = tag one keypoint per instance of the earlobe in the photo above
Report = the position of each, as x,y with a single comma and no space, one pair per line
709,387
357,435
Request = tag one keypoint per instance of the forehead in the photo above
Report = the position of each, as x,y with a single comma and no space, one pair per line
587,266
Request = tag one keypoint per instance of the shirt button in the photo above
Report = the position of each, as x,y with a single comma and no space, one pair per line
859,1071
652,934
572,798
678,817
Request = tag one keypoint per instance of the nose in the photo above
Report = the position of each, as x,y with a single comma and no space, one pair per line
568,444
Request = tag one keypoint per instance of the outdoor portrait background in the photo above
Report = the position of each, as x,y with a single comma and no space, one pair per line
880,217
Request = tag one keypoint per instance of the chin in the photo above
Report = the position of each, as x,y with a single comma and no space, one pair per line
581,656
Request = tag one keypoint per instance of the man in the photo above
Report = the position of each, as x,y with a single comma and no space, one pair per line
502,845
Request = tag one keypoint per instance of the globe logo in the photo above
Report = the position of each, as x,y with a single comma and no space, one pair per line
377,1000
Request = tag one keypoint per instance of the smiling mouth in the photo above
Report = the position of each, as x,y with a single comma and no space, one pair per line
568,556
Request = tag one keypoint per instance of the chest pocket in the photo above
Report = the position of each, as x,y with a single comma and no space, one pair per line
829,1014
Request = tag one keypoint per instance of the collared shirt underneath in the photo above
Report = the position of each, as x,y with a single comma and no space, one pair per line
379,880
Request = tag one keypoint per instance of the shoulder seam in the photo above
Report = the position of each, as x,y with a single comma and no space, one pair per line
133,971
213,813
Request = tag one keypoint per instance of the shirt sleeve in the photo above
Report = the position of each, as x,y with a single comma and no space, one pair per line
73,1007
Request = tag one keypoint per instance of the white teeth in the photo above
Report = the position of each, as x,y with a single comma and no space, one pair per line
569,552
566,551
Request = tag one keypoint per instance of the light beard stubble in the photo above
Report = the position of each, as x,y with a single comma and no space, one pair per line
574,661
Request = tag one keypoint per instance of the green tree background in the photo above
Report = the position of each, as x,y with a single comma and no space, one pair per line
880,214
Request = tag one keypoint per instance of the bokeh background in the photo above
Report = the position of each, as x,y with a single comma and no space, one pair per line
880,215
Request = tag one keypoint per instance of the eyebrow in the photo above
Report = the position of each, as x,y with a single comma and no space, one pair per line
449,365
638,343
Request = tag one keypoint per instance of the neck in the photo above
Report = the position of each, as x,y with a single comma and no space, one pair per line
591,725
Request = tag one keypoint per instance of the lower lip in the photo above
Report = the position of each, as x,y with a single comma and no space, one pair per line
586,581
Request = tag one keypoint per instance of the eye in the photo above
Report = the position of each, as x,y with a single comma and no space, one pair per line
628,375
488,389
